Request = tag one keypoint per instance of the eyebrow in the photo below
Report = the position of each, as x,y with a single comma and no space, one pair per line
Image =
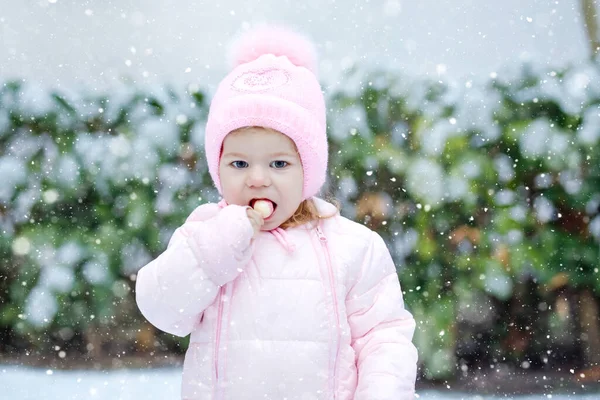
283,153
240,155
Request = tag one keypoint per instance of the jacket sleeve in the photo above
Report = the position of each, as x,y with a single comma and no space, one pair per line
381,329
174,289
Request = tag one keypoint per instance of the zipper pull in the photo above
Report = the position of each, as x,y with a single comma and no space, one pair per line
320,234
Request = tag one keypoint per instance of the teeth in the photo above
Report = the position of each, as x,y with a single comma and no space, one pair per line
263,207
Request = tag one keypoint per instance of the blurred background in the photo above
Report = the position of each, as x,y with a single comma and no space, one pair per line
95,44
466,133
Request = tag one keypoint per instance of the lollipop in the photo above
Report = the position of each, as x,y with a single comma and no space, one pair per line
263,207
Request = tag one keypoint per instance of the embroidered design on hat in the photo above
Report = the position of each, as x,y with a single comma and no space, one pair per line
260,80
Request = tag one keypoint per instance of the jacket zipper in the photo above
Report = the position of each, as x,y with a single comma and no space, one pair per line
218,339
323,241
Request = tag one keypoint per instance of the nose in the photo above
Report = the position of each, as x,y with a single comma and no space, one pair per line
257,177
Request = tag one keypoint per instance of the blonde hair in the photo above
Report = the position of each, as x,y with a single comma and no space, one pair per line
307,212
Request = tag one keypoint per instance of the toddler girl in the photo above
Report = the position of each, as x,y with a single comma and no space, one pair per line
284,298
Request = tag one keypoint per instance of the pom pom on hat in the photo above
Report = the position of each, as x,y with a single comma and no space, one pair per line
276,40
272,84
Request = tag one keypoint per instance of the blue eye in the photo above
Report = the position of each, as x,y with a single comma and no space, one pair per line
239,164
279,164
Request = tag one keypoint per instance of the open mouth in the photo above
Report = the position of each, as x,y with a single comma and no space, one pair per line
253,202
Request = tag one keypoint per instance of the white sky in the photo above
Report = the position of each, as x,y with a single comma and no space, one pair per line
63,42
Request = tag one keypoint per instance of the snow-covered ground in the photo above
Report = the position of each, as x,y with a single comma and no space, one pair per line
21,383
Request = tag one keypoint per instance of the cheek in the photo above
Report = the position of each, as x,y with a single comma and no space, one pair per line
296,183
227,180
222,176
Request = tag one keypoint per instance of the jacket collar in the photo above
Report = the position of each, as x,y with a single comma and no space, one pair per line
325,208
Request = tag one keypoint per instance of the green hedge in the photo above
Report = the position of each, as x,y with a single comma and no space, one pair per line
477,187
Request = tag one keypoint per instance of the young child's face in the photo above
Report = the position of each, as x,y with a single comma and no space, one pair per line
259,163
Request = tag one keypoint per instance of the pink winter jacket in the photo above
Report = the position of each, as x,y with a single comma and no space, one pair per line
311,312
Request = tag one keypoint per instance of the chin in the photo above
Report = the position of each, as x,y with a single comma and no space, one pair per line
269,225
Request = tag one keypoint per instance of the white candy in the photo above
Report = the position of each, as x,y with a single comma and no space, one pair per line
263,207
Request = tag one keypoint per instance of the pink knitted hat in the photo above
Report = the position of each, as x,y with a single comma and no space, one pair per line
273,85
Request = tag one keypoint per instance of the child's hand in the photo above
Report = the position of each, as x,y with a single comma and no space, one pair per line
256,220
